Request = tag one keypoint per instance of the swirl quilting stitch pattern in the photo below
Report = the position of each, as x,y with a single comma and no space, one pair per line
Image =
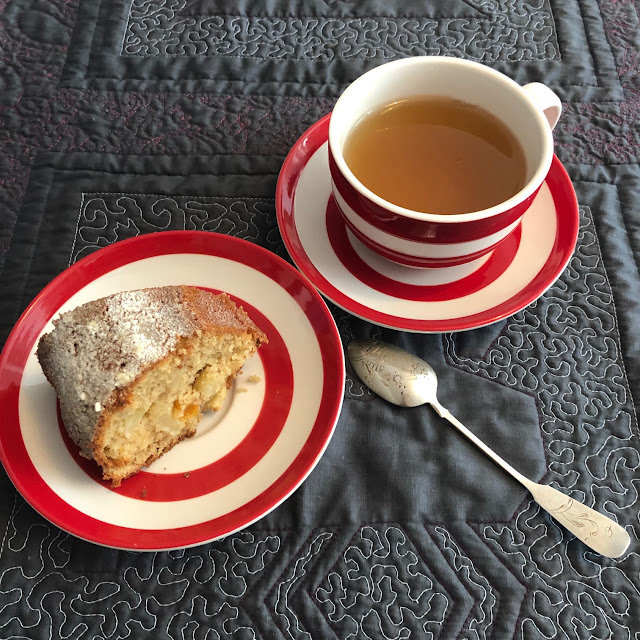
106,218
158,28
596,404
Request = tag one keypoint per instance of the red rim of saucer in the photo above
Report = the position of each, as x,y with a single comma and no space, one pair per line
19,345
564,200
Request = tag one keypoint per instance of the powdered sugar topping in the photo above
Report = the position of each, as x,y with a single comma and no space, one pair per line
145,326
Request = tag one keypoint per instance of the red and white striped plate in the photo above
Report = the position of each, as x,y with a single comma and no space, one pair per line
244,460
519,271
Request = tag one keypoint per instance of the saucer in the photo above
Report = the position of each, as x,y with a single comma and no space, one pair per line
244,460
371,287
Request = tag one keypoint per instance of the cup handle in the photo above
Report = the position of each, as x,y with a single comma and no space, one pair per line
547,101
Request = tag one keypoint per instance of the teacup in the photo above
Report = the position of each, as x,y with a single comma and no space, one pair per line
427,240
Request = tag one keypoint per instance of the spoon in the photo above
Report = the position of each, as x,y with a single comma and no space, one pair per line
406,380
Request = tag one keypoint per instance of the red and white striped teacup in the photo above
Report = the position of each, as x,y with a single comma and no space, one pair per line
427,240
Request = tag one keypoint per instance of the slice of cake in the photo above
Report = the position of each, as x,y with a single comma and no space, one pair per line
134,371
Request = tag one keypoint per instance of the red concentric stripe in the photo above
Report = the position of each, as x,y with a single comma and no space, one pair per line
21,342
415,261
480,278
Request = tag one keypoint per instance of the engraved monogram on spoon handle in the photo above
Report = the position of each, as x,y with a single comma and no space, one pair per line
406,380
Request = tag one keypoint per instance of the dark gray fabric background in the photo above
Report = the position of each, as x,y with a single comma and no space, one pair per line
121,117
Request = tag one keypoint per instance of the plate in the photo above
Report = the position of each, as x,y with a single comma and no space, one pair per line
244,460
355,278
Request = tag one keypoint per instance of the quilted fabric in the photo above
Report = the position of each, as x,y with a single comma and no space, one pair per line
119,118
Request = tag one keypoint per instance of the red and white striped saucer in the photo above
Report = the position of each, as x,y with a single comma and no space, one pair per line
244,459
360,281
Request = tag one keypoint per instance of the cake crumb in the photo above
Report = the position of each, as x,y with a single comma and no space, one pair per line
255,378
242,390
186,475
143,493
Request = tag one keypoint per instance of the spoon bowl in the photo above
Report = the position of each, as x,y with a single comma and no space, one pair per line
394,374
408,381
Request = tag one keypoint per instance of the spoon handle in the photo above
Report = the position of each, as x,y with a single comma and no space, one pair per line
597,531
444,413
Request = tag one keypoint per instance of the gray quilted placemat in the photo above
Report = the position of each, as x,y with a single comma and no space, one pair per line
119,118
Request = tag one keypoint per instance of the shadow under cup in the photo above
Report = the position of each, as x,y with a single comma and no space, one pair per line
425,240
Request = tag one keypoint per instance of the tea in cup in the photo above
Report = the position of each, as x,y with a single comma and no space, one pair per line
435,160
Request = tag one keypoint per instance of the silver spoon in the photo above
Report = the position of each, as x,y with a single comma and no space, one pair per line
406,380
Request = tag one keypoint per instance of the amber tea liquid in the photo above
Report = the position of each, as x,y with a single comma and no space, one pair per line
436,155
